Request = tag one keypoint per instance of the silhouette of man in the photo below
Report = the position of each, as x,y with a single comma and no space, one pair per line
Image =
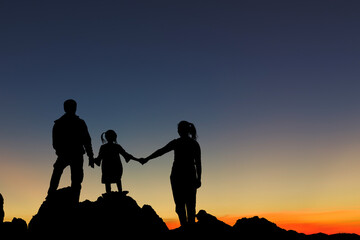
70,140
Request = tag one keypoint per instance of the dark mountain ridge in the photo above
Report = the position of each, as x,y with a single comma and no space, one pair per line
117,215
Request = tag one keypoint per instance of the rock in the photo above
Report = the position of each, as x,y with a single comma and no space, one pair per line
152,223
116,215
207,227
113,214
211,224
16,229
261,228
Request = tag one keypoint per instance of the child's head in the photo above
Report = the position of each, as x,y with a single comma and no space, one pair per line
110,136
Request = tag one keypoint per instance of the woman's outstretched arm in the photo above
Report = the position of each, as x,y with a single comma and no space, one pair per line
169,147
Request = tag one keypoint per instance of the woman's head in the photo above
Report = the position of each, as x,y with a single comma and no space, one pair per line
110,136
187,129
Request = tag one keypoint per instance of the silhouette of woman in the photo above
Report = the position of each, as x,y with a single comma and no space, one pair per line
111,166
186,170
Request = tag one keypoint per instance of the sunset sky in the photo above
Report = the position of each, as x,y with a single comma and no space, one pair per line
273,88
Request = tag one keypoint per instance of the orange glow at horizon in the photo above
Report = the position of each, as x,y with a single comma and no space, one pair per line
332,222
172,224
307,223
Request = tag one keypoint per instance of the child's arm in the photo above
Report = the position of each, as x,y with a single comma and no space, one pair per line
126,155
129,157
133,158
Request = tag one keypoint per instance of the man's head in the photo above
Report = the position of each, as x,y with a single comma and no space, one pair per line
70,106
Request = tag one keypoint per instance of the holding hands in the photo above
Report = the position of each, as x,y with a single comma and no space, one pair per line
140,160
97,161
91,161
143,160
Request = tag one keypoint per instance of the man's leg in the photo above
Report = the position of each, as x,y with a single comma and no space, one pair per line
59,167
77,175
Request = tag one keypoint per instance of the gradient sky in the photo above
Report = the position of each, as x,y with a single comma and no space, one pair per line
272,87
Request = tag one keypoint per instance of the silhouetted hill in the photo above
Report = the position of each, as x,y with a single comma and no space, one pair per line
113,214
118,216
254,228
16,229
261,228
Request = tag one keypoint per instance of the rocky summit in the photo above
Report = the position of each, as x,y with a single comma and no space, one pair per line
116,216
113,214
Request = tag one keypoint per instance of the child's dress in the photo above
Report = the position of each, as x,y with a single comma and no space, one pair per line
111,166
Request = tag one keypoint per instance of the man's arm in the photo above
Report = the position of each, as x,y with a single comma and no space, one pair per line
87,145
87,141
55,139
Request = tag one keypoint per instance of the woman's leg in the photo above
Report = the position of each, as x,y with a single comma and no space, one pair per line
191,205
181,212
179,200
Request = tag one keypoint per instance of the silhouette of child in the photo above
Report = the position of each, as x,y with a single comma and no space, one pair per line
109,158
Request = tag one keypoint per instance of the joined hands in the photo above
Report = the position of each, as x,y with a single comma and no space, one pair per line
93,161
143,160
140,160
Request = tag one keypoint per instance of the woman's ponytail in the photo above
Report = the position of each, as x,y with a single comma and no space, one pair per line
192,131
188,129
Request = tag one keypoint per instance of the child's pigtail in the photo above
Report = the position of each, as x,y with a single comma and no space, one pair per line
102,138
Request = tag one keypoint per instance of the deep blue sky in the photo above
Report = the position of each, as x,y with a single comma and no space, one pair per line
256,77
140,59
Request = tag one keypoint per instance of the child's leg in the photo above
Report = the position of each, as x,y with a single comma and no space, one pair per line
119,186
108,187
